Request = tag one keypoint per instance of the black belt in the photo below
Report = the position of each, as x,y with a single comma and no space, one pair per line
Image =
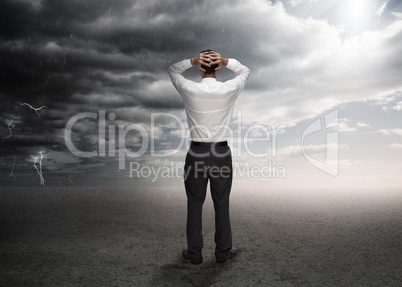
209,144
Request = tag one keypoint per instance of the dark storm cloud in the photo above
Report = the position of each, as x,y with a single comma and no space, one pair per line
48,57
393,5
48,51
51,55
56,18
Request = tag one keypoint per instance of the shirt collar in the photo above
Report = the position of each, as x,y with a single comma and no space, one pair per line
208,80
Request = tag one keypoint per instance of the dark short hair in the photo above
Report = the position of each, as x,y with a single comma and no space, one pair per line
209,70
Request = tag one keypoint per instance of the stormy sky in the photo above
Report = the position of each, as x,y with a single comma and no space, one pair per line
104,63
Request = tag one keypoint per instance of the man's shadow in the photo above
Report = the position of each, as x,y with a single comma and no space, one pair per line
182,272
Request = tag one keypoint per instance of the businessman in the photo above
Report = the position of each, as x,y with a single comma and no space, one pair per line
209,108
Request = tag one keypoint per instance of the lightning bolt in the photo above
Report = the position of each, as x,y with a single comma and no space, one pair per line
31,107
11,125
39,170
12,169
69,178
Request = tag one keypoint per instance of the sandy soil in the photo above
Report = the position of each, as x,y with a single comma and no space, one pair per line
127,237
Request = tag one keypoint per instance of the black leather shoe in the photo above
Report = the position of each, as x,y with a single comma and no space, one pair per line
185,256
232,253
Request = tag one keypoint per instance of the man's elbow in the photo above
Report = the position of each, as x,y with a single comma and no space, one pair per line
246,72
171,71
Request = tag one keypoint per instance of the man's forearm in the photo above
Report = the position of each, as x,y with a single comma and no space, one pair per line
179,67
242,73
238,68
175,73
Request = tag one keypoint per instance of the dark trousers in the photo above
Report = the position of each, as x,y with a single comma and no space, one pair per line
205,163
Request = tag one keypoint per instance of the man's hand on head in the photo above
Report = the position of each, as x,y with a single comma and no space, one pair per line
201,59
218,59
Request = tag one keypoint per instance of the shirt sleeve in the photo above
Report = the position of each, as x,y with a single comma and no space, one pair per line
242,73
175,73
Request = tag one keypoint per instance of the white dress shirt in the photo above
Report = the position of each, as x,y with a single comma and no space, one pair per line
209,104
